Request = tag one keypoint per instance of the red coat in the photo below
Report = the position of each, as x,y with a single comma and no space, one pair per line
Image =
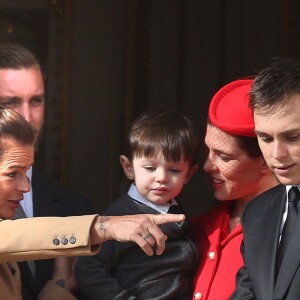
220,256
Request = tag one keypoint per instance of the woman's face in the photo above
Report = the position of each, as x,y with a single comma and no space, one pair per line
14,163
234,175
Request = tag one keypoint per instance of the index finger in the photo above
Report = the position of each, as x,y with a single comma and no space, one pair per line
167,218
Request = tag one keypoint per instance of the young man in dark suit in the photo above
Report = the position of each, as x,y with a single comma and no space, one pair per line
22,89
271,222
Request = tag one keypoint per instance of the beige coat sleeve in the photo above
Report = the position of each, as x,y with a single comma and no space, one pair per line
45,237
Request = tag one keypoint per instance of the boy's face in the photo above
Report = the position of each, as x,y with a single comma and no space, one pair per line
159,180
278,135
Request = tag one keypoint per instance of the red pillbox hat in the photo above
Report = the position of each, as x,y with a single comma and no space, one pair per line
229,109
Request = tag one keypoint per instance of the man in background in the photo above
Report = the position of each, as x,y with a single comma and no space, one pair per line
22,89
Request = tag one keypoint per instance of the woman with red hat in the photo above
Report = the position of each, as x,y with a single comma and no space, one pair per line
238,174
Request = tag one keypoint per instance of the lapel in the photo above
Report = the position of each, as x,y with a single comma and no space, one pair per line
261,237
290,264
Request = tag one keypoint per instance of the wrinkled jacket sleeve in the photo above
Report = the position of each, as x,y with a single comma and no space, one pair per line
45,237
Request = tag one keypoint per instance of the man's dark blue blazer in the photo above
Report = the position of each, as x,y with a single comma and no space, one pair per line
261,223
